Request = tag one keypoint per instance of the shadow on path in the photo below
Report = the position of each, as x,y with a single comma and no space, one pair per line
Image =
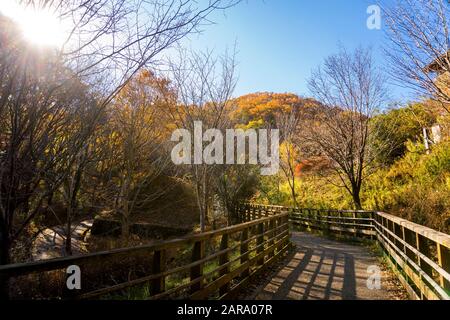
322,269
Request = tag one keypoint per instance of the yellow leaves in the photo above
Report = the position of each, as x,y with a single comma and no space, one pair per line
255,124
289,154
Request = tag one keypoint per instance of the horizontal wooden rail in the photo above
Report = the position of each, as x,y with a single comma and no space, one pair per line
342,222
420,256
217,264
206,265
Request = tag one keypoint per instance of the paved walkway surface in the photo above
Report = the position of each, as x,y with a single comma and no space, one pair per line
323,269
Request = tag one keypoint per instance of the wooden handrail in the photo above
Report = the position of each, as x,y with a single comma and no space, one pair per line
436,236
419,255
266,238
45,265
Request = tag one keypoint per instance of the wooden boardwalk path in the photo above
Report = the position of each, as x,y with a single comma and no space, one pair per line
324,269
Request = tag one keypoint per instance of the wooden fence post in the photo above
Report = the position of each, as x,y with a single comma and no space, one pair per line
158,266
224,259
259,243
327,222
271,235
403,236
386,227
373,217
341,233
286,222
280,231
398,232
410,239
198,253
244,251
444,263
318,218
423,248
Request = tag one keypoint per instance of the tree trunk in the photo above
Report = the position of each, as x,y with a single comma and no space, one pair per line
69,232
357,200
201,200
294,198
124,207
125,222
74,188
200,207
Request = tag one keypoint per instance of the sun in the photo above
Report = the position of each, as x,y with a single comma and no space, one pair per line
40,27
43,28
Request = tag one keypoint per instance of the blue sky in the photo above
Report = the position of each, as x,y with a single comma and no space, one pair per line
280,41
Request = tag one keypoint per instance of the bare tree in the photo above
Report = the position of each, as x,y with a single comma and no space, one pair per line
205,85
109,41
351,90
419,46
235,184
72,169
35,109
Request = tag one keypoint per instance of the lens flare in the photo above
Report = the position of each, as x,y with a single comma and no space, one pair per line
40,27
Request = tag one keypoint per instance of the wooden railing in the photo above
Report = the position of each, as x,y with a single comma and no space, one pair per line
207,265
217,264
420,256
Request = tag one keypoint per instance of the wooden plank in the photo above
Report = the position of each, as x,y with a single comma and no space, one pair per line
158,266
271,234
215,284
413,271
436,236
223,260
244,251
422,246
237,287
198,253
100,257
413,254
227,278
412,294
410,239
366,225
260,243
198,259
444,262
364,232
416,278
340,220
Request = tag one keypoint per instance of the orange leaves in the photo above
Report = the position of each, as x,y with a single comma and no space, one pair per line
147,101
264,106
